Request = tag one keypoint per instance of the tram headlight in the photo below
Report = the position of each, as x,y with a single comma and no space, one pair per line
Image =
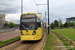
21,33
34,32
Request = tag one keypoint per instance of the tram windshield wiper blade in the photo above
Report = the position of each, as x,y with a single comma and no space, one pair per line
24,28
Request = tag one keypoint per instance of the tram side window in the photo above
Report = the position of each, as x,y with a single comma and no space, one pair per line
38,24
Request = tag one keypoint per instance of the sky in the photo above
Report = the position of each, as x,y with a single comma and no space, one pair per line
58,9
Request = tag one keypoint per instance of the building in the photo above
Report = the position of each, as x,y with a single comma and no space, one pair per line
13,21
7,22
2,20
72,19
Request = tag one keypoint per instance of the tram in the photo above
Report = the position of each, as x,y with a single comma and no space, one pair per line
30,27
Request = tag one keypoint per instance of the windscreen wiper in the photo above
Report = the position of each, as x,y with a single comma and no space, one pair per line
24,28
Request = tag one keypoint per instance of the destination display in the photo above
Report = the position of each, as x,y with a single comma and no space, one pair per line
28,20
28,15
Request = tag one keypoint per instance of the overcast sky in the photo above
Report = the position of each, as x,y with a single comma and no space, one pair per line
59,9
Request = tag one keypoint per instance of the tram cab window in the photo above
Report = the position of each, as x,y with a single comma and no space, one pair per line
38,24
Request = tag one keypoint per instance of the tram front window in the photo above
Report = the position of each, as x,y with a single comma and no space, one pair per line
29,24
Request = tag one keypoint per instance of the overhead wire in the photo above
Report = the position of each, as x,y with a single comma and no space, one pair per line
36,5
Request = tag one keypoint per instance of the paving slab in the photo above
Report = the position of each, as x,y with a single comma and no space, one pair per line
9,35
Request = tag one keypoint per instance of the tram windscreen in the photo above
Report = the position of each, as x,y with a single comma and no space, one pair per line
28,23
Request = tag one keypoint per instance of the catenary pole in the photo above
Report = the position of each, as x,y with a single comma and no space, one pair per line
48,16
21,6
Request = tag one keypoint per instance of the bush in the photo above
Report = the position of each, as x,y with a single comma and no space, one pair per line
52,26
11,25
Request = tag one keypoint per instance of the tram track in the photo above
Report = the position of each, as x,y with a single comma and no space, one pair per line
24,46
29,47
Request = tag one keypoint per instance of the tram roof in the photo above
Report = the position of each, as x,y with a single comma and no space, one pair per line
32,13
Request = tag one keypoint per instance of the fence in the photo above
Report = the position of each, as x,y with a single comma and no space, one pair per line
66,39
6,29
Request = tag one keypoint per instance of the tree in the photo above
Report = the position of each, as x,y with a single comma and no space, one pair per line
74,24
6,24
71,24
56,23
11,25
52,25
60,23
66,24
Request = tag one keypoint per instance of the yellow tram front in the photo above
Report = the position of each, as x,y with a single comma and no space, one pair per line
30,27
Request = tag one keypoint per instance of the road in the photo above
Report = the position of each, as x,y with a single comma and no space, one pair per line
26,45
9,35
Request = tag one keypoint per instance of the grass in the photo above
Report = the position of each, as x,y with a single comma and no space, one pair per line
51,43
65,43
9,41
70,33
